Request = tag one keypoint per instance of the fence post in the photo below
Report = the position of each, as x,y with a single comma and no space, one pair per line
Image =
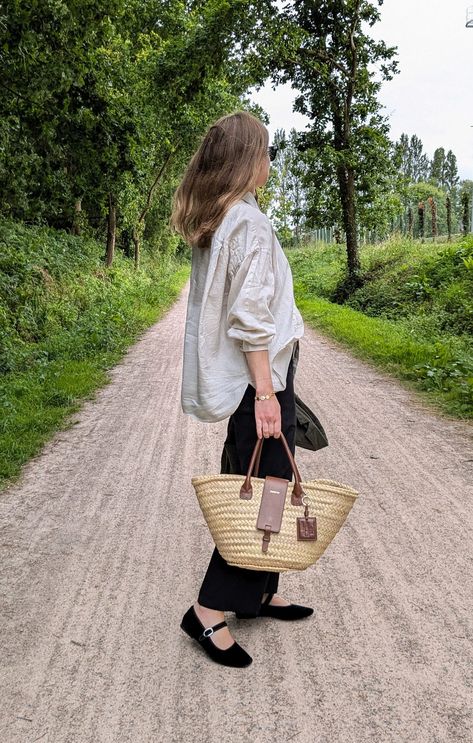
471,218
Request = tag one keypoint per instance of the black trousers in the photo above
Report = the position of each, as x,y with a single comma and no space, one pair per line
227,587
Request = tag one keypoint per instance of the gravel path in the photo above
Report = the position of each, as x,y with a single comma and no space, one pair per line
104,547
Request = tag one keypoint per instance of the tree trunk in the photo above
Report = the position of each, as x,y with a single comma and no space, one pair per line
433,211
135,236
421,213
111,230
346,186
465,212
410,222
448,204
136,242
346,182
76,220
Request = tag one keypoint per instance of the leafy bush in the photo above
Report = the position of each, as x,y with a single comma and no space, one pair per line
399,280
64,319
418,297
57,298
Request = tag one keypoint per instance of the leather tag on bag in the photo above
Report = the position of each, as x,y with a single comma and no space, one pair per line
272,503
307,528
271,508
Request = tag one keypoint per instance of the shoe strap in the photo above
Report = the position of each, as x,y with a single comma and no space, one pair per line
208,631
267,599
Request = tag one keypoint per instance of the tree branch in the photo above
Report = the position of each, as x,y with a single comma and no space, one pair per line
155,183
353,70
24,97
324,57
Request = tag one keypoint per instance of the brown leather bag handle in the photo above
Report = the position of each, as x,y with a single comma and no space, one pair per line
246,490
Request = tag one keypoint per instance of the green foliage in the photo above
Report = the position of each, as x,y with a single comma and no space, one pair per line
58,300
421,191
420,299
444,170
107,101
339,94
441,368
419,178
326,52
411,159
317,268
288,203
64,320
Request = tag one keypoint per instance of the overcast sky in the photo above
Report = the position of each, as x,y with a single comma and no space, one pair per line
432,96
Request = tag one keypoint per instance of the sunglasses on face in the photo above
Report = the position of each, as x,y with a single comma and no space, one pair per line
272,152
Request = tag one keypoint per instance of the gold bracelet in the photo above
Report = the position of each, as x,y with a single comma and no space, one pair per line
264,397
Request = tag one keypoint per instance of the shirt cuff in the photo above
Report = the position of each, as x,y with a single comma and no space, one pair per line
245,346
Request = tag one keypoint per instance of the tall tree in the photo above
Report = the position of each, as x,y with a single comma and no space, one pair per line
298,171
288,196
464,205
437,168
47,96
403,156
281,204
99,102
419,161
412,161
451,172
444,170
324,49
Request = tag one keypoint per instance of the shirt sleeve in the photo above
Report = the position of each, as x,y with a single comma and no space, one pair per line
249,316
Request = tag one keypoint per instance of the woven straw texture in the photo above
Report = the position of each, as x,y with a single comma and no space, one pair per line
232,521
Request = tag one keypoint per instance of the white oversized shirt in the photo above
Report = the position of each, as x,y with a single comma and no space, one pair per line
241,299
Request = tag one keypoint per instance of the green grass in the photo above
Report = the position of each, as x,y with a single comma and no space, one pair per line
65,319
413,316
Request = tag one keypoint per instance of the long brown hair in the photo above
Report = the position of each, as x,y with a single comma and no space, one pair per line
221,171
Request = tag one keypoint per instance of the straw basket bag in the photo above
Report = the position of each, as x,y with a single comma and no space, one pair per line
255,526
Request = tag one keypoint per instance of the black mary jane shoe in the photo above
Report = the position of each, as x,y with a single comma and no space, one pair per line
289,612
233,656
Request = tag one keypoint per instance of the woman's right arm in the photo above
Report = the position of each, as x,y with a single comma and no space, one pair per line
267,412
249,317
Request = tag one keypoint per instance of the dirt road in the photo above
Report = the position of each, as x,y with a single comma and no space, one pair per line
103,547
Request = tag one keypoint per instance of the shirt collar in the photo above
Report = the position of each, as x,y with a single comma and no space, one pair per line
250,199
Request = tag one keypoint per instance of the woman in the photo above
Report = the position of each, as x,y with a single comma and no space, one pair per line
241,339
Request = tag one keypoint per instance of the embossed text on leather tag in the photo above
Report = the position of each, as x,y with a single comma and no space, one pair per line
307,528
